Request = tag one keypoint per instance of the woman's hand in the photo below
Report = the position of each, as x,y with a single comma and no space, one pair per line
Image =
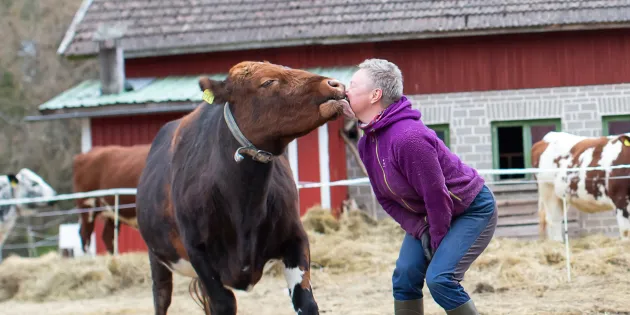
426,245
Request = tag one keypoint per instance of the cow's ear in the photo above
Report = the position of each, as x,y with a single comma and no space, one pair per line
213,91
625,140
13,179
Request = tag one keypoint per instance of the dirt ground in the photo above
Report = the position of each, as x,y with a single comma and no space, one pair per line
356,294
352,264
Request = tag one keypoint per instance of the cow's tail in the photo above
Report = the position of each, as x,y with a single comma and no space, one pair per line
197,292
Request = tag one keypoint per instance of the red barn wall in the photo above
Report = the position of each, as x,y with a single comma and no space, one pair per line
479,63
338,166
308,167
121,131
308,170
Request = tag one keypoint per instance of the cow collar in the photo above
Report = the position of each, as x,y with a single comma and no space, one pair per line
247,147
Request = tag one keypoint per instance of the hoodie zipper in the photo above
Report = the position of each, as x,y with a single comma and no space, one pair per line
378,159
452,194
387,184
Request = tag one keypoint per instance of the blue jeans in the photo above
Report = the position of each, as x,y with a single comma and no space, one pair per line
469,235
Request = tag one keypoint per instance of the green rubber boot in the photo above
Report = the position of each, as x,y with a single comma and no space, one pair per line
467,308
409,307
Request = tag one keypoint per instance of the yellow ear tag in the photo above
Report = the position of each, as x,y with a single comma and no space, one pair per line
14,184
208,96
626,142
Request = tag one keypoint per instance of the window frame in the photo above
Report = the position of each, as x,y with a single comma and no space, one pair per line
447,132
612,118
526,125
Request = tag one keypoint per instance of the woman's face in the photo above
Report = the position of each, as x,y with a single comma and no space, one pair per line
360,94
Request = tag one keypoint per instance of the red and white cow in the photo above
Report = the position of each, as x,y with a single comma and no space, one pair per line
590,191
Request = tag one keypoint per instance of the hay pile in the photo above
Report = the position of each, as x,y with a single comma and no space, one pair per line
52,277
359,243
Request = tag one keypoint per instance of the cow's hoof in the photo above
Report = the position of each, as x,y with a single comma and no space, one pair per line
309,309
224,310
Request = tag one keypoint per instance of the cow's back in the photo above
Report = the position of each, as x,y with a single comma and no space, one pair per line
109,167
554,151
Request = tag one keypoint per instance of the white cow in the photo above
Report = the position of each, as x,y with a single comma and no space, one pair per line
590,191
25,184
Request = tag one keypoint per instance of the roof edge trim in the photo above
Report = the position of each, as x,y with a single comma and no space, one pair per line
78,17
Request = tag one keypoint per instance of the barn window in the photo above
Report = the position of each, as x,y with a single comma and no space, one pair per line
512,143
615,125
442,132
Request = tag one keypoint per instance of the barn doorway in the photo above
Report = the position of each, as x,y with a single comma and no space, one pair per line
511,151
512,143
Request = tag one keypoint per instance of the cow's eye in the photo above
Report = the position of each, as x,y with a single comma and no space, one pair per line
267,83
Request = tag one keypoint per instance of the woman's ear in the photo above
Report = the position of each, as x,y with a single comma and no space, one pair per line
376,95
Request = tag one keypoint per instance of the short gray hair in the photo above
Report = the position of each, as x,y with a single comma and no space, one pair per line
386,76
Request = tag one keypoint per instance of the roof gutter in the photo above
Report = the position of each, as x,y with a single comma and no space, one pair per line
216,47
112,113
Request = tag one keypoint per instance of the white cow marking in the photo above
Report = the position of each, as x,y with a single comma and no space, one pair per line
624,224
90,202
182,267
293,276
185,268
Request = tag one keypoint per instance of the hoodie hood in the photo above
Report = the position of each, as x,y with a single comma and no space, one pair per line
395,112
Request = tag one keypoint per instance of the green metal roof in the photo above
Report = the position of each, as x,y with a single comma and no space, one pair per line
155,90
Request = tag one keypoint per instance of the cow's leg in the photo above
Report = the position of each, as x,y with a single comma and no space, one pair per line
550,206
222,300
162,285
297,260
623,220
86,228
108,235
545,199
554,215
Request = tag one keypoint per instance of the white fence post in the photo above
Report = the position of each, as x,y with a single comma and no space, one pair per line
566,239
116,225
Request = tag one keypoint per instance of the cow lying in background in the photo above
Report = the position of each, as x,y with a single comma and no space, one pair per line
107,167
589,191
217,199
24,184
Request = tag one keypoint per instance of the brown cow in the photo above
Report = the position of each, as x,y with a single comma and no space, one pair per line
107,167
212,206
590,191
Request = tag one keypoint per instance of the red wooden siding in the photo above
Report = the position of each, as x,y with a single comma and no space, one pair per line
338,170
308,170
308,167
122,131
128,130
444,65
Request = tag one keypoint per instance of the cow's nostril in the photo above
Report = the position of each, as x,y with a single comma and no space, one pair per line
334,83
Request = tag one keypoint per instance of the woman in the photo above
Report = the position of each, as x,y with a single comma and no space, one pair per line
448,213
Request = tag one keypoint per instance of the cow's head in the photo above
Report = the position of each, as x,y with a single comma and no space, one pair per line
273,104
27,184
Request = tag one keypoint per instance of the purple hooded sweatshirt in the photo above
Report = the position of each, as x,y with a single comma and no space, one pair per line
417,180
